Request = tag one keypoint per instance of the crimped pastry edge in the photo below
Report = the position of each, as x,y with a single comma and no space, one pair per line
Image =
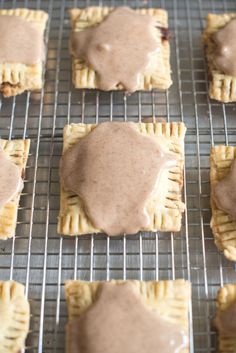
84,77
72,218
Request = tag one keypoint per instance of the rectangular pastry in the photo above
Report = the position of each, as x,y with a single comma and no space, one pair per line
17,77
15,317
17,151
222,86
85,77
225,318
223,226
169,300
164,211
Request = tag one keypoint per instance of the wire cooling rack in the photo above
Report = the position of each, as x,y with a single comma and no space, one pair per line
43,260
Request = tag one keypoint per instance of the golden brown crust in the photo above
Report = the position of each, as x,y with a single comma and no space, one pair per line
15,316
222,87
16,78
84,77
223,227
170,299
226,296
165,215
17,151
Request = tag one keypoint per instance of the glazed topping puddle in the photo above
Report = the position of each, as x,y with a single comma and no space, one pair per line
225,54
114,170
224,193
225,321
119,49
118,322
20,42
10,179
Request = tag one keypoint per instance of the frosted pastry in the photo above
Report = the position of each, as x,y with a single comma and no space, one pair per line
15,317
223,222
21,57
125,316
13,159
225,320
220,51
118,178
120,48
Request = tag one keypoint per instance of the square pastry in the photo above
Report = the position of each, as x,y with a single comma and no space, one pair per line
163,207
225,318
223,226
222,86
15,317
94,305
158,73
21,62
17,151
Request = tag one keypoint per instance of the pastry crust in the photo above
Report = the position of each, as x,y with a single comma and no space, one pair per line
164,206
226,296
170,299
15,317
17,151
223,227
222,87
84,77
16,78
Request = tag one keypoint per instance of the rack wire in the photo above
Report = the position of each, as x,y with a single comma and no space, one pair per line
37,256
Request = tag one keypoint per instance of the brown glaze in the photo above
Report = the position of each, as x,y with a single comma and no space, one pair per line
20,42
10,179
224,193
225,321
119,321
225,54
119,49
114,170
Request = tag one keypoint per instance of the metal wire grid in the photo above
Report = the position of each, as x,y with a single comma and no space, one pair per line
41,259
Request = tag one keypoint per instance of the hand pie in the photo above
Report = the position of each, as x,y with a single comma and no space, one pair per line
15,317
222,224
225,321
222,83
22,57
163,207
86,71
124,316
17,151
